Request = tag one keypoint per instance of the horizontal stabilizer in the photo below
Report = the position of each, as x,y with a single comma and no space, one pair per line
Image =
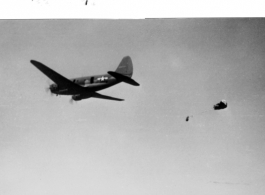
123,78
97,95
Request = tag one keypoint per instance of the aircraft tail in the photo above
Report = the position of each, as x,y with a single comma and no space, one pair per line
125,67
124,72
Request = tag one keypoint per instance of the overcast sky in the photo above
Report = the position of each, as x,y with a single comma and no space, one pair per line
142,145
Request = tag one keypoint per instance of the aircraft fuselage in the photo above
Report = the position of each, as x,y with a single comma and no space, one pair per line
90,84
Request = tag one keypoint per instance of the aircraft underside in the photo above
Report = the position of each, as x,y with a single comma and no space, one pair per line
85,90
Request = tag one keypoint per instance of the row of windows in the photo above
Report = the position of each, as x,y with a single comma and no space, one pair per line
102,79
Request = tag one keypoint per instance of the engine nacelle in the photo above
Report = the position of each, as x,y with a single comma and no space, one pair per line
54,87
79,97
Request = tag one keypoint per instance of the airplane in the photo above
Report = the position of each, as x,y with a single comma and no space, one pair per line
86,87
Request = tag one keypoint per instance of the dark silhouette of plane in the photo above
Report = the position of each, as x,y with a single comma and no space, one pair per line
86,87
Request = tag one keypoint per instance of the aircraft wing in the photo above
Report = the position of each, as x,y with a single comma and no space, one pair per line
60,80
97,95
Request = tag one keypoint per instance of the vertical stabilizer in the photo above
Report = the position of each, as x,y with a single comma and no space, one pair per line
125,67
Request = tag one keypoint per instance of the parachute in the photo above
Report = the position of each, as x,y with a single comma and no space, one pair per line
219,106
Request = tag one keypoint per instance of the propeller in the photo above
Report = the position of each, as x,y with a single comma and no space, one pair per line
74,98
72,101
48,89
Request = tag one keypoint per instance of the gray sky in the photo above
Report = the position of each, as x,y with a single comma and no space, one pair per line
142,145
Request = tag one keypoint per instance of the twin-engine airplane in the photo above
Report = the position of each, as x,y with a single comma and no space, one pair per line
86,87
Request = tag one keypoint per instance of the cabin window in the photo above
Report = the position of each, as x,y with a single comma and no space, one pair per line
92,80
